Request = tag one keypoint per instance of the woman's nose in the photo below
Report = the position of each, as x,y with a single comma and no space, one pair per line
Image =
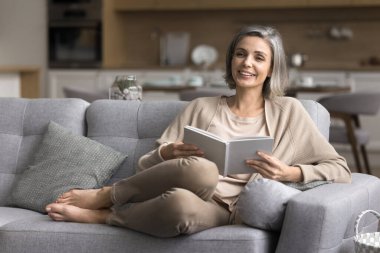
248,61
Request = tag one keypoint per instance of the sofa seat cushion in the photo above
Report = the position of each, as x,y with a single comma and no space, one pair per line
62,162
41,234
10,214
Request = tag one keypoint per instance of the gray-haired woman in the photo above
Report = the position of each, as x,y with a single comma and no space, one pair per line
177,191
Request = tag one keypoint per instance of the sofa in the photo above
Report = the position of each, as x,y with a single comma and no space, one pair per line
317,220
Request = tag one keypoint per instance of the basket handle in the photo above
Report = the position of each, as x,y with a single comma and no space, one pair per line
360,216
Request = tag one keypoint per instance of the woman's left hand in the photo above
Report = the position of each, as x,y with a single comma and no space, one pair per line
272,168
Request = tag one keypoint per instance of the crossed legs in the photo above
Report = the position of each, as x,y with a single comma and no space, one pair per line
170,198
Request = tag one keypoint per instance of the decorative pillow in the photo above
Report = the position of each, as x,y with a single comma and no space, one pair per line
262,203
62,162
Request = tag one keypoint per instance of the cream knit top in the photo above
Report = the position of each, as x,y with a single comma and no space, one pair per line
227,125
297,140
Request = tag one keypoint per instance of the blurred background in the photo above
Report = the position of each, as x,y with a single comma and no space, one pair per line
51,47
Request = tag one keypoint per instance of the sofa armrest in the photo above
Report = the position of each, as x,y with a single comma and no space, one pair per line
318,220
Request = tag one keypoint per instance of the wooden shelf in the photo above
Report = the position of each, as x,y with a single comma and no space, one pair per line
29,79
157,5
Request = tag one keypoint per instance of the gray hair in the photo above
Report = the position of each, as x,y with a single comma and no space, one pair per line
276,83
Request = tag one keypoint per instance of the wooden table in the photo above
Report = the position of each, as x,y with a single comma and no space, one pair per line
293,90
164,88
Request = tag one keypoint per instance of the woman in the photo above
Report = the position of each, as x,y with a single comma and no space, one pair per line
177,191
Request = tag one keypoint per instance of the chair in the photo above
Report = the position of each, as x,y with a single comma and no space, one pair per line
188,95
348,107
88,96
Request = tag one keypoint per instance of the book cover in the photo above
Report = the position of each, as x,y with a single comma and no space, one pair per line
228,155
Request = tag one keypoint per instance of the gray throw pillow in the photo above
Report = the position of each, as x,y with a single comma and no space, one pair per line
262,203
62,162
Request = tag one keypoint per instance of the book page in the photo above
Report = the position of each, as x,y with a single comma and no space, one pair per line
203,132
241,150
238,138
214,148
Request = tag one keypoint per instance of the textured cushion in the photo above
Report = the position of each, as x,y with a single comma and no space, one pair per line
262,203
23,123
62,162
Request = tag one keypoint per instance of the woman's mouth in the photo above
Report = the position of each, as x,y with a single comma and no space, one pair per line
246,73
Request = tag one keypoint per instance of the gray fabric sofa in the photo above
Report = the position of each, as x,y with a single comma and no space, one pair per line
317,220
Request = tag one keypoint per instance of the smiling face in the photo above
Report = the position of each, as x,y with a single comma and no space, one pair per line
251,62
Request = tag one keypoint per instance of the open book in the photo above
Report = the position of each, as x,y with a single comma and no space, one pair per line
228,155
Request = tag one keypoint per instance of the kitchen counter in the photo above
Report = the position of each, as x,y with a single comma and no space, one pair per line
29,79
339,66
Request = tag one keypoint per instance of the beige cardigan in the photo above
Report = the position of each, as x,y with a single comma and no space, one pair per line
297,140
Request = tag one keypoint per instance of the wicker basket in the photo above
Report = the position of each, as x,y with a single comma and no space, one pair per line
367,242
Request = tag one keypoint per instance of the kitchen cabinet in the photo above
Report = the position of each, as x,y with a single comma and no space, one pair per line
366,2
9,85
329,3
369,82
365,81
227,4
359,82
342,3
101,80
81,80
177,5
131,5
159,84
319,78
84,80
27,79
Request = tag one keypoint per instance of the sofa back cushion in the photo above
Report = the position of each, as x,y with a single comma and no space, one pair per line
22,125
131,127
319,115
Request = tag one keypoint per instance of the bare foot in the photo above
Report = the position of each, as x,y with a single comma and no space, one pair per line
93,199
63,212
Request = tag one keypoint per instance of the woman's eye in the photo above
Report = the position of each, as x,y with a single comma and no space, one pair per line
260,58
239,54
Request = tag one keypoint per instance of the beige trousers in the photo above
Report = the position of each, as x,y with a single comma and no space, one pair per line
169,199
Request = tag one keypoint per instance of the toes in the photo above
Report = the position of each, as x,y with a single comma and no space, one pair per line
56,216
48,208
66,194
60,200
55,208
66,197
55,212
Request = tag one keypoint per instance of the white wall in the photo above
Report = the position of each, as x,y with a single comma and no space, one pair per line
23,35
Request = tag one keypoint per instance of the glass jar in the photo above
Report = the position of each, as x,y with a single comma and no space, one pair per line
125,88
114,90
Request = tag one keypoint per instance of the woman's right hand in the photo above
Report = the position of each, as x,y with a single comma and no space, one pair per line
179,149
